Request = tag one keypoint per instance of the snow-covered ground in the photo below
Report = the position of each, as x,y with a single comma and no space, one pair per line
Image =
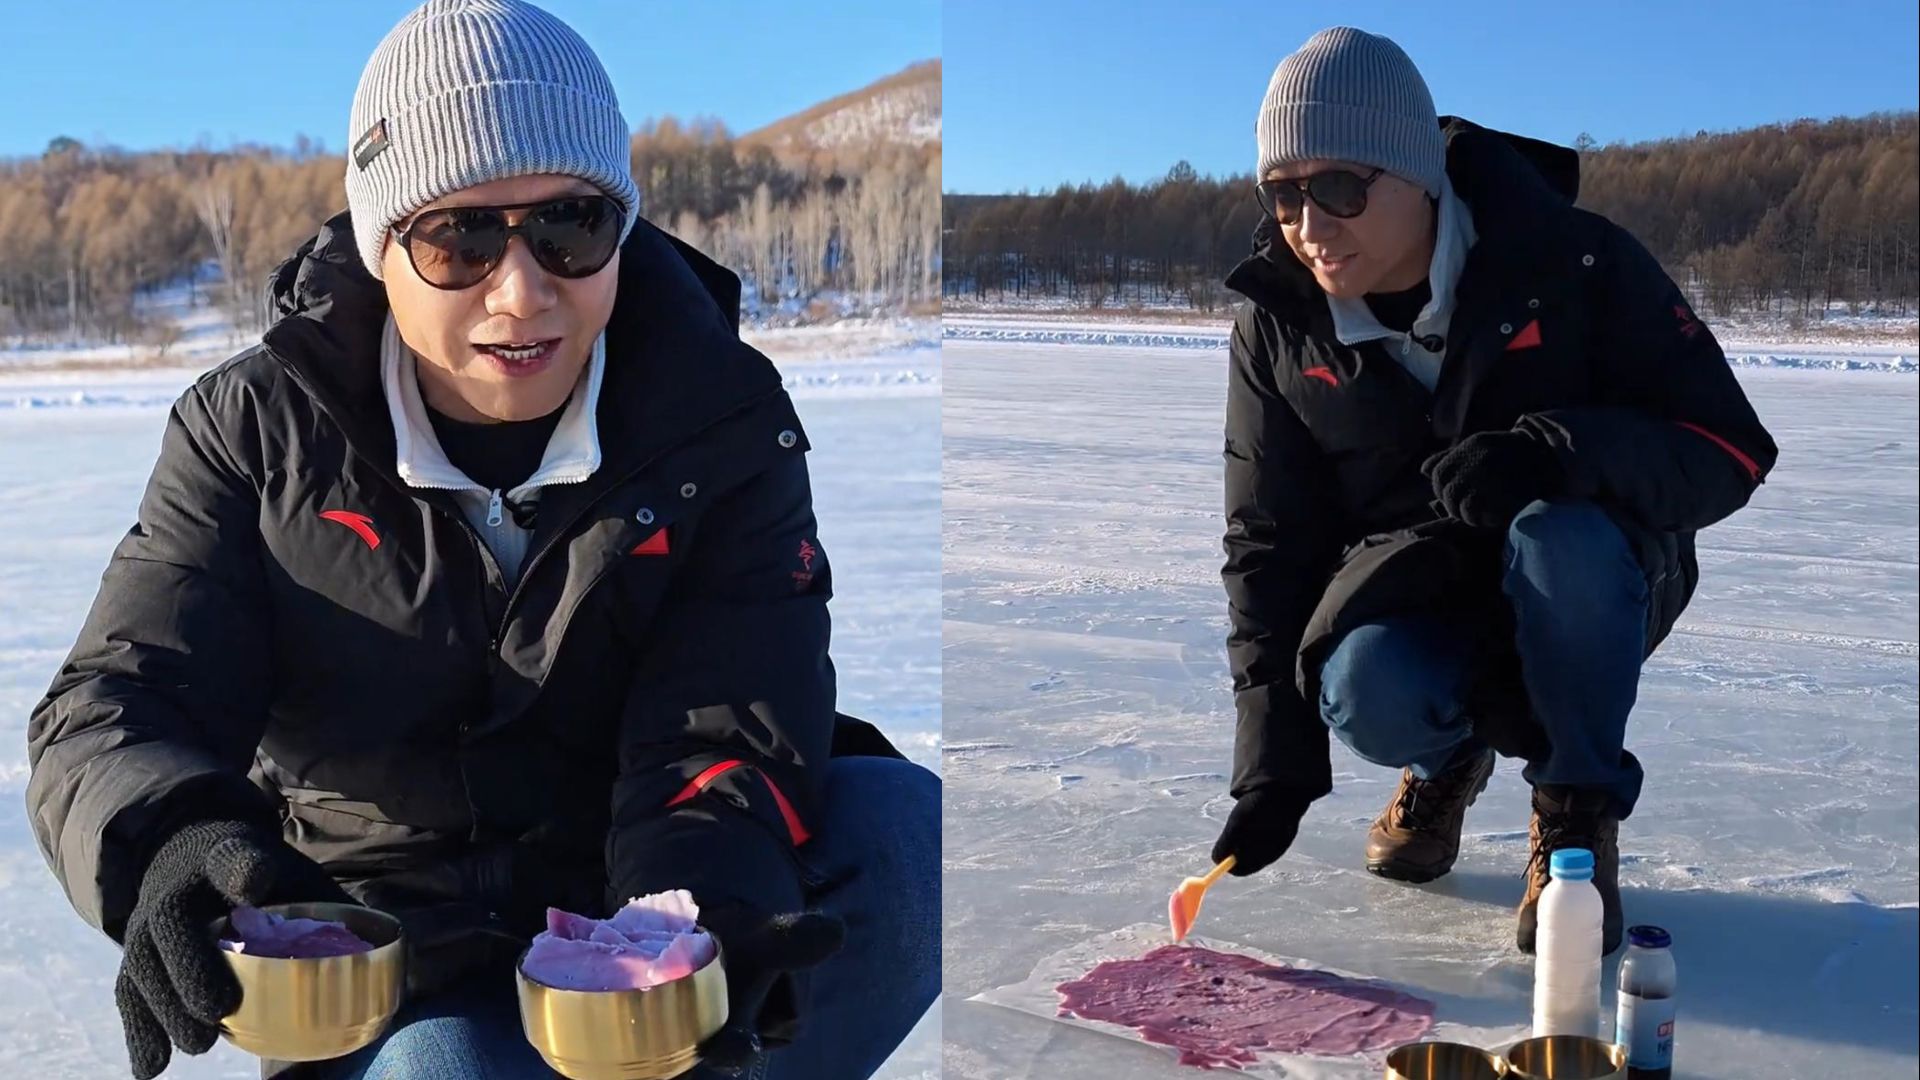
72,470
1840,326
1088,730
204,336
857,337
912,371
1143,330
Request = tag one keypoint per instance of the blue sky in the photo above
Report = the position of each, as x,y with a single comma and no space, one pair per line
1072,90
144,74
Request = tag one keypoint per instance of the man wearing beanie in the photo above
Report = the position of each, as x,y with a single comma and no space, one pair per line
488,583
1471,432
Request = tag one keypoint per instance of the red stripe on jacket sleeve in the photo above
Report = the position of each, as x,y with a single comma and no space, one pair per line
796,829
1747,463
699,783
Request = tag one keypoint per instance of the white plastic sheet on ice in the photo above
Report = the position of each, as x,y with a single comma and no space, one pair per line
1036,995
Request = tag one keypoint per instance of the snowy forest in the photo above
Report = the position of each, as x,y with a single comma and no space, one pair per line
861,221
1788,219
823,229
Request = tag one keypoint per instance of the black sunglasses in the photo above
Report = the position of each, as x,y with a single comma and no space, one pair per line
1337,191
458,246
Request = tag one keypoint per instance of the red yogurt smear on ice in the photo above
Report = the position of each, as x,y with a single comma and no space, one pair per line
1222,1009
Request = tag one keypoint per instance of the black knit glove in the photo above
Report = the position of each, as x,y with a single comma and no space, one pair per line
761,954
1486,479
1260,829
174,986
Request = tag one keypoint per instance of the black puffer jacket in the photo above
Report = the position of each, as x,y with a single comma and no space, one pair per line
1564,328
291,634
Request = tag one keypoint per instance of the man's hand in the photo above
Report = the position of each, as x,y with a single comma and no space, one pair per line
1488,478
1260,829
759,951
174,986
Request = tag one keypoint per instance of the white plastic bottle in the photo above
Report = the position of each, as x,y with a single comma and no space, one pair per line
1566,965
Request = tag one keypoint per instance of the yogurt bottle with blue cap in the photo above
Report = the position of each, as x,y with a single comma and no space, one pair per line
1566,963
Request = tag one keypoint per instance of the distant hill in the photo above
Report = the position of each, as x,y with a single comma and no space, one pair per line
903,108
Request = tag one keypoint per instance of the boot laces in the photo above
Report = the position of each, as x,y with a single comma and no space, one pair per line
1424,803
1561,829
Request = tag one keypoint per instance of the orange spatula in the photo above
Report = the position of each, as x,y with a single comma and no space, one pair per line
1184,906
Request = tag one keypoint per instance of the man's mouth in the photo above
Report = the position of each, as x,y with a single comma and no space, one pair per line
520,359
520,352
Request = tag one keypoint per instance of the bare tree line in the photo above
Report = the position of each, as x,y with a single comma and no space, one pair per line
1170,241
1785,219
798,223
1791,217
84,232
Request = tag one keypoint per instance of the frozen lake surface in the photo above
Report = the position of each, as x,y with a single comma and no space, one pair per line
1089,725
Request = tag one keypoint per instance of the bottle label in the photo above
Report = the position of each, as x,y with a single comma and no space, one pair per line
1645,1027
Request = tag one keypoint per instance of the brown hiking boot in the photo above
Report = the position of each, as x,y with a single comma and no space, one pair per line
1570,818
1417,837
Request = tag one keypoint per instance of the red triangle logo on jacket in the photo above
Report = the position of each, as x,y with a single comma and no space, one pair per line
652,545
1527,338
361,524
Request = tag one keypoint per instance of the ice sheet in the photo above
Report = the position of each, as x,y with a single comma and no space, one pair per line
1090,726
1455,1019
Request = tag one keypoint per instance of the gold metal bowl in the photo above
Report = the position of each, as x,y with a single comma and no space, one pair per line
314,1008
649,1034
1565,1057
1444,1061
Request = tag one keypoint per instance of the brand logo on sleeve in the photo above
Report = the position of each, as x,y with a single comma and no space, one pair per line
1689,323
803,577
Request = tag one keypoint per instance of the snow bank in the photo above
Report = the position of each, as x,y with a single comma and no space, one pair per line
1811,357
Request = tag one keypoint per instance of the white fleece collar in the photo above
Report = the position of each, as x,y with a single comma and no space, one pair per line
573,453
1355,322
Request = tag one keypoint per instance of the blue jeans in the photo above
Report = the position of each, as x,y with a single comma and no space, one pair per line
1393,690
878,852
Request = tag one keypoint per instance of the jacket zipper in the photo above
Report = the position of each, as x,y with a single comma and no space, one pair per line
490,565
494,513
534,557
490,571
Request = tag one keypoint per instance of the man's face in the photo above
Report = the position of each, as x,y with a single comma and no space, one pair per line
518,303
1386,248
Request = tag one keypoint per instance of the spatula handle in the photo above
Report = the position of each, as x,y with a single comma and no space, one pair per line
1216,873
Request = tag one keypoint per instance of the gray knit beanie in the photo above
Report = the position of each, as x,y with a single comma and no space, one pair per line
1348,95
462,92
